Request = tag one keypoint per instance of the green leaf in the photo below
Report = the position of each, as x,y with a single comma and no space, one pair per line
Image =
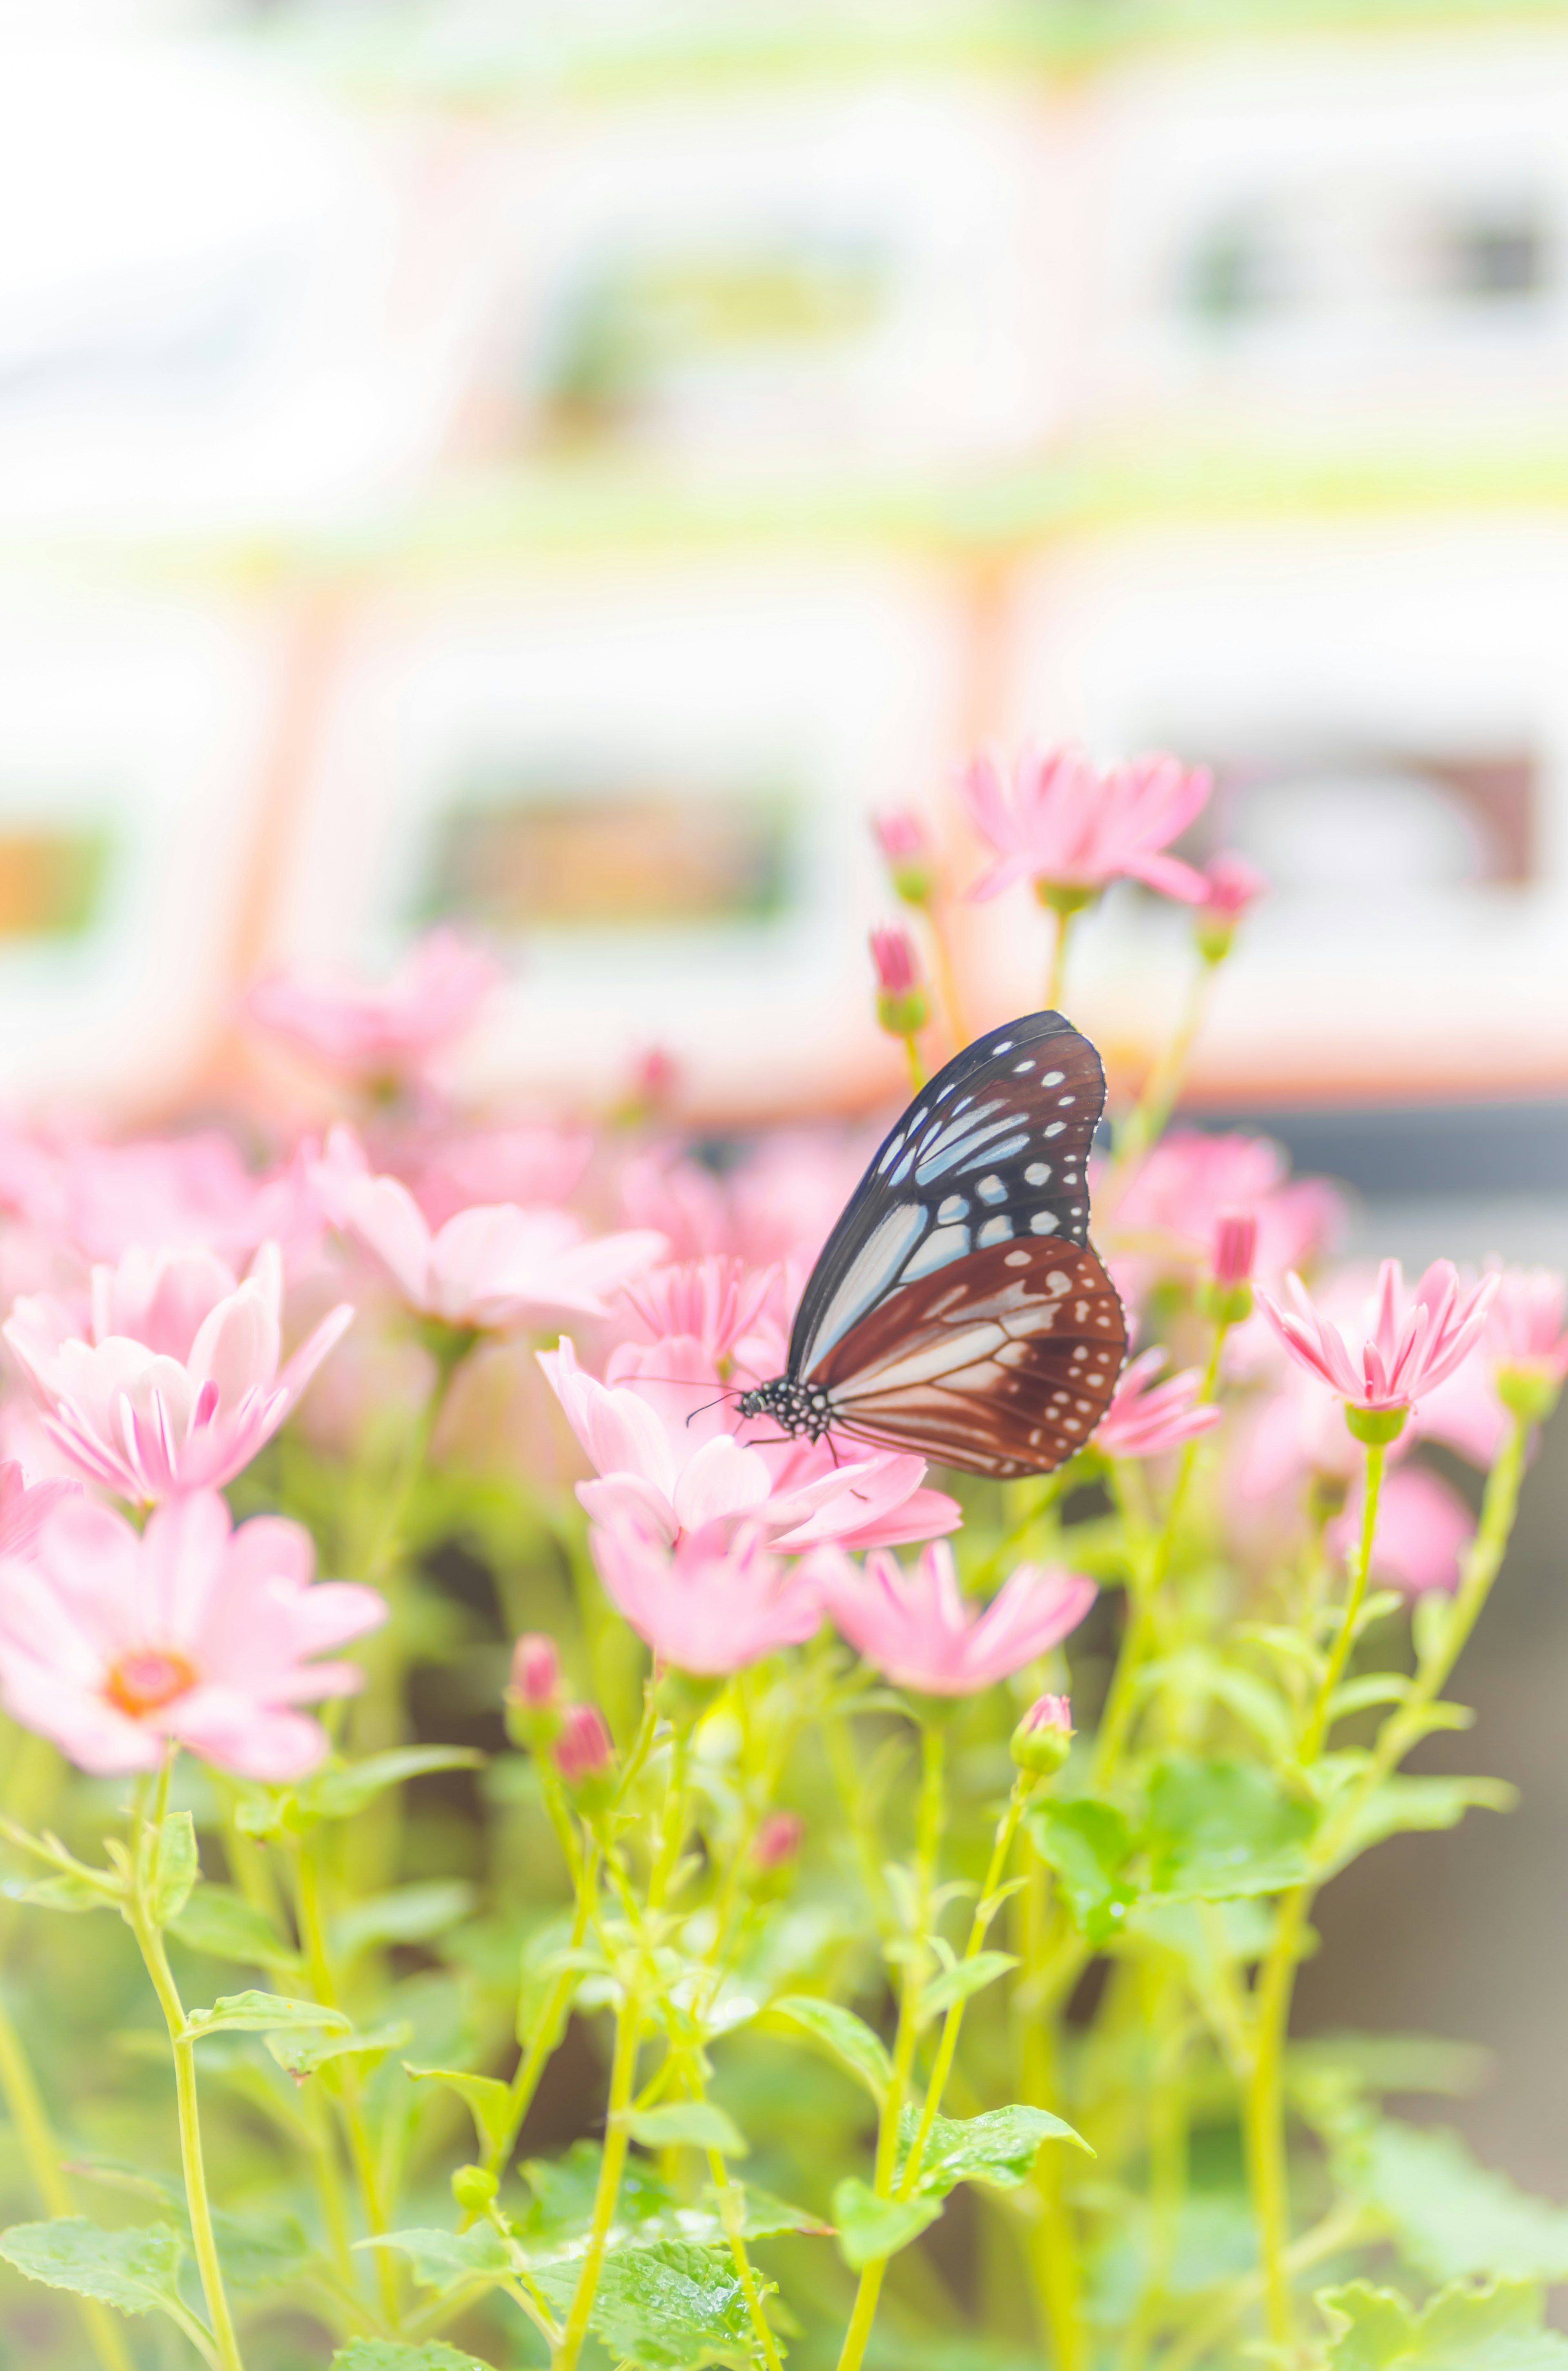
64,1892
343,1789
1089,1844
1219,1830
221,1923
961,1983
687,2124
255,2012
849,2039
668,2308
488,2101
1000,2146
411,1914
1453,2216
259,2251
442,2260
388,2354
136,2271
302,2054
176,1867
1497,2328
1421,1803
1376,2062
871,2227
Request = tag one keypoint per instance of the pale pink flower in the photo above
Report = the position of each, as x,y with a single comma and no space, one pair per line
24,1506
1299,1428
176,1192
1146,1419
1424,1529
1067,822
179,1384
897,963
112,1643
1409,1350
718,1303
490,1267
711,1603
1047,1712
777,1206
431,1001
667,1462
537,1166
778,1840
1525,1327
1178,1196
1231,884
912,1622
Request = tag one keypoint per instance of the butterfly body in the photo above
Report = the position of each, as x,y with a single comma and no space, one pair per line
957,1309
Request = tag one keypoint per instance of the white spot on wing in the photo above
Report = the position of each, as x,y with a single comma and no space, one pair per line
995,1230
1044,1222
1053,1078
952,1209
947,1243
1038,1173
990,1189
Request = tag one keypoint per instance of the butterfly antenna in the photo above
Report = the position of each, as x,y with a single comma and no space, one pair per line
730,1391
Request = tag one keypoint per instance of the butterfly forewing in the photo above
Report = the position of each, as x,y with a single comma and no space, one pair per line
956,1308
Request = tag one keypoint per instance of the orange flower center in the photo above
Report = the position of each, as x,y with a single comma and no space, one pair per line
146,1679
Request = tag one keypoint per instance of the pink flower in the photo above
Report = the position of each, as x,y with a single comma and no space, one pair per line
1525,1327
914,1624
664,1475
582,1750
1175,1202
182,1191
112,1644
778,1840
1235,1246
431,1001
1067,822
534,1166
1230,886
1424,1529
717,1304
179,1385
898,965
24,1508
493,1267
1145,1419
707,1605
1047,1712
900,834
779,1204
1408,1350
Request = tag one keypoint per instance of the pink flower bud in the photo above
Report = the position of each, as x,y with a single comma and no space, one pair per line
898,967
1235,1246
1044,1737
535,1669
1230,886
583,1750
907,852
778,1840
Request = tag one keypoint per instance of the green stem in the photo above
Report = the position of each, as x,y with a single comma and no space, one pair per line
916,1068
150,1940
1150,1116
1323,1711
1052,2239
1056,978
547,2027
947,978
855,1802
1263,2112
927,1841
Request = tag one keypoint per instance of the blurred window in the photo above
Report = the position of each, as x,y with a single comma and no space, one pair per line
632,857
1497,258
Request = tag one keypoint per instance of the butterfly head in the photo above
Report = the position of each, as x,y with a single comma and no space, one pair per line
795,1407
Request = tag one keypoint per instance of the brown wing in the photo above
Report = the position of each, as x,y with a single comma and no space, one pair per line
1001,1363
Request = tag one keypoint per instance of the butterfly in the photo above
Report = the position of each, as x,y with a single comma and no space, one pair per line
957,1310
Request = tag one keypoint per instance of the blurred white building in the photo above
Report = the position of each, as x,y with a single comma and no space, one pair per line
548,482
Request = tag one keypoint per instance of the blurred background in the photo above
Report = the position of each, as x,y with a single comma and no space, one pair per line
554,464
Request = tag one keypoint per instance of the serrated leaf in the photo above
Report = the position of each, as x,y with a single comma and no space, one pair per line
441,2260
1424,1804
668,2308
389,2354
177,1864
848,2038
303,2054
963,1982
1453,2216
221,1923
256,2250
254,2012
871,2227
136,2271
1222,1831
343,1789
411,1914
488,2101
1000,2146
687,2124
1089,1844
1494,2327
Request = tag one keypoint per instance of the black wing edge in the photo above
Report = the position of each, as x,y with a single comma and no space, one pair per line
1030,1029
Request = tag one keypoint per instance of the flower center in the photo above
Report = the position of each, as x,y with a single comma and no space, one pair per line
146,1679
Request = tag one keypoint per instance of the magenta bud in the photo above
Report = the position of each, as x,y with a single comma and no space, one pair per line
1044,1737
1233,885
535,1671
582,1749
898,967
906,851
778,1840
1235,1246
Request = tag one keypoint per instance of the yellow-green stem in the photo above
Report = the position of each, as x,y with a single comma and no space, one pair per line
1323,1710
917,1067
947,978
29,2122
1264,2115
1056,978
1149,1117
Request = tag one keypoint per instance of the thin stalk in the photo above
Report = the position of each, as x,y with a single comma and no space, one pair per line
1317,1725
947,977
323,1984
547,2029
1150,1115
927,1841
917,1067
150,1940
839,1740
1056,976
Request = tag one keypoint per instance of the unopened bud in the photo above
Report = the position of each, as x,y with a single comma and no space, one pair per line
907,852
1229,1300
473,2188
778,1840
1044,1737
903,1006
584,1753
535,1669
1528,1389
1234,885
